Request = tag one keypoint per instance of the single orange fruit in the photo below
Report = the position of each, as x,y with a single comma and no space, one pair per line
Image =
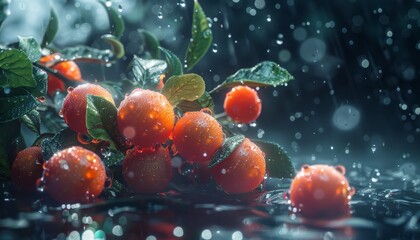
67,68
242,171
145,118
321,191
197,136
75,103
74,175
147,170
27,169
242,104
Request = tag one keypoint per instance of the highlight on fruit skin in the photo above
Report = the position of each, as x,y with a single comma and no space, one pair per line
27,169
147,170
68,69
242,171
321,192
73,175
145,118
197,136
242,104
75,103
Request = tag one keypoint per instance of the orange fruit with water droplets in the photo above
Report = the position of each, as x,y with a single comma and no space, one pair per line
321,192
74,175
75,103
147,170
242,171
145,118
242,104
27,169
197,136
68,69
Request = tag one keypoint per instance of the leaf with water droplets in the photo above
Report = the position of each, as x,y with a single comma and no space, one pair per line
205,101
229,145
201,38
266,73
278,163
184,87
87,54
174,64
51,30
31,47
40,77
16,69
116,22
117,46
149,43
146,72
32,121
101,119
15,107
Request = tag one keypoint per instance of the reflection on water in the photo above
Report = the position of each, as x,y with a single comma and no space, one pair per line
385,206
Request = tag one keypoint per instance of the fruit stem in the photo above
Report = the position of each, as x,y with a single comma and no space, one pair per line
67,81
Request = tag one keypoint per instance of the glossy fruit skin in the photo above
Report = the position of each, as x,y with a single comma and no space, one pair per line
67,68
242,104
242,171
74,175
147,170
27,169
320,192
145,118
74,105
197,136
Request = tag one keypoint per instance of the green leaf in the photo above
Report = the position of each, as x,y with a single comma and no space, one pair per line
174,64
278,163
16,69
52,29
15,107
117,46
184,87
146,73
87,54
150,43
31,47
4,10
229,145
32,120
10,133
40,77
205,101
263,74
101,118
116,22
202,37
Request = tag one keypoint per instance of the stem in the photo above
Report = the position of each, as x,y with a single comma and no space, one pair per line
67,81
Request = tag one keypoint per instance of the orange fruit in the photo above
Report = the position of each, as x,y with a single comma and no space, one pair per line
321,191
197,136
75,103
242,171
145,118
27,169
74,175
67,68
242,104
147,170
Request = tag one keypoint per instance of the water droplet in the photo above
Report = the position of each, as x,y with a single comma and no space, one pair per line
106,152
160,15
69,89
186,169
374,175
182,3
41,99
207,111
84,138
373,148
215,48
7,90
60,113
341,169
108,3
120,8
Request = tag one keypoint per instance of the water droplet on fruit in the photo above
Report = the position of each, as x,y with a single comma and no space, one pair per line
341,169
351,192
305,167
207,111
84,138
60,113
70,89
40,184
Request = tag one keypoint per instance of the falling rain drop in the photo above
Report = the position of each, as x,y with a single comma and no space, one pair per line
214,48
160,15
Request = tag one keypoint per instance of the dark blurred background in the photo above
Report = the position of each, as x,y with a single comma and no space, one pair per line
355,98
